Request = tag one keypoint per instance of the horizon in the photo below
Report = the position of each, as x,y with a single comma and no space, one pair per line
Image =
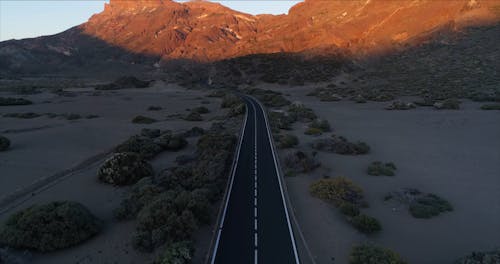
31,19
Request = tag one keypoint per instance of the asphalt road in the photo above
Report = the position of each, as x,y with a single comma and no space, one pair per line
255,227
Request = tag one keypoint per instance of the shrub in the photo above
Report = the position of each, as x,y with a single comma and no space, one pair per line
6,101
400,105
124,169
428,206
349,209
371,254
287,141
366,224
150,133
91,116
298,161
328,96
302,113
320,124
230,100
27,115
194,132
154,108
144,146
201,110
4,143
236,110
274,100
448,104
340,145
49,227
312,131
359,99
280,120
124,83
177,253
193,116
378,168
490,107
73,116
218,93
142,193
143,120
338,190
490,257
170,142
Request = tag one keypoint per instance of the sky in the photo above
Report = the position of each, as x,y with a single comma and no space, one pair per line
26,19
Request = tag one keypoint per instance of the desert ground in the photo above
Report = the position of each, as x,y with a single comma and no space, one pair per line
62,157
452,153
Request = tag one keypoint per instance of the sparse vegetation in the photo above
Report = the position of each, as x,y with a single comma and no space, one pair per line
338,191
73,116
27,115
378,168
236,110
366,224
301,113
490,107
428,206
150,133
154,108
143,120
145,147
420,205
49,227
177,253
453,104
298,161
6,101
313,131
488,257
286,141
230,100
4,143
201,110
320,124
194,132
340,145
349,209
193,116
124,169
280,120
400,105
125,82
268,97
371,254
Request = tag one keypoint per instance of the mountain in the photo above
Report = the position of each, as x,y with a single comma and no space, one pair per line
147,33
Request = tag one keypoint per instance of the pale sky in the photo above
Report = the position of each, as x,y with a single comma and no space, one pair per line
26,19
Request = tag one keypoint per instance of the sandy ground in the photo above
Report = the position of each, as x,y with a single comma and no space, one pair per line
61,144
454,154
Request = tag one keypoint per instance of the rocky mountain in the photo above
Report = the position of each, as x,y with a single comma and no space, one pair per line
148,33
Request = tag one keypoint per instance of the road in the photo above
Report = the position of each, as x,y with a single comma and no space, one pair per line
255,226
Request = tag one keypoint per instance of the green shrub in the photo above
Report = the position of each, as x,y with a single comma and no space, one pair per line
490,107
49,227
27,115
340,145
489,257
193,116
4,143
428,206
142,193
177,253
300,112
371,254
230,100
170,142
72,116
366,224
349,209
280,120
6,101
313,131
378,168
236,110
146,147
124,169
338,190
201,110
154,108
320,124
298,161
448,104
143,120
287,141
